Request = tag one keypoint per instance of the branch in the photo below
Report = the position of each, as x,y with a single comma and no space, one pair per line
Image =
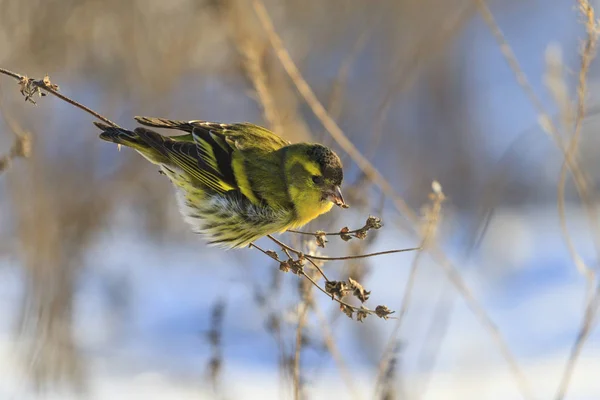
334,289
322,258
30,87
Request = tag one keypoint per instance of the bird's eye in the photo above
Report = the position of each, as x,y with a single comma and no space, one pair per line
317,179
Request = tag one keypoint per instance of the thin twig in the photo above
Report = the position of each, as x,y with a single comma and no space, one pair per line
323,258
323,233
301,272
287,248
356,257
41,85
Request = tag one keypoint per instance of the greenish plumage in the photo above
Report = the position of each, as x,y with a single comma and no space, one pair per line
238,182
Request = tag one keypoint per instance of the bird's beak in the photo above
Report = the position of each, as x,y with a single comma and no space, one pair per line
335,196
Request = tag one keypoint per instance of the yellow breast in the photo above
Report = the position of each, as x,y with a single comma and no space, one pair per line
308,206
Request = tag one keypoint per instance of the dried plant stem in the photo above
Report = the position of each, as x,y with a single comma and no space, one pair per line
304,274
433,216
40,84
334,108
323,258
422,53
215,339
371,172
356,257
593,296
324,233
251,48
570,163
478,310
321,113
303,313
553,132
432,343
332,348
591,311
287,248
571,153
510,57
21,146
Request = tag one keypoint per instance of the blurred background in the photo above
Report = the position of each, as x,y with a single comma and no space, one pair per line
106,294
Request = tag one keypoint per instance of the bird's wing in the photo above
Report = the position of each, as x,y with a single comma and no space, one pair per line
202,159
240,136
226,152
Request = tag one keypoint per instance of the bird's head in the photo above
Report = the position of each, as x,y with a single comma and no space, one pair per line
314,174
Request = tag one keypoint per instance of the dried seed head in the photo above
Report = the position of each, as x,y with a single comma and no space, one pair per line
272,254
48,84
373,223
284,266
383,312
361,314
321,238
296,266
344,234
358,290
337,288
361,233
347,310
28,89
301,259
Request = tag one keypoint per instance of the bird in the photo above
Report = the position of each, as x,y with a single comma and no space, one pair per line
238,182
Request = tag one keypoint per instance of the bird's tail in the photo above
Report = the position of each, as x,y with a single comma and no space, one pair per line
144,141
119,136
